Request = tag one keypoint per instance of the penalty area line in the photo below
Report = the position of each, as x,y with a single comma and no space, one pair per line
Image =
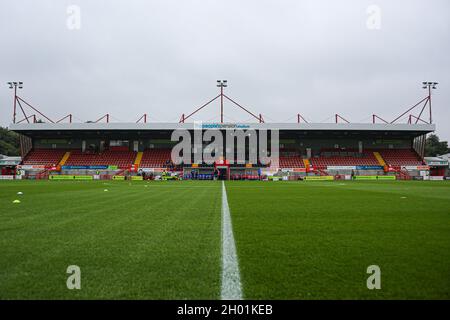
231,279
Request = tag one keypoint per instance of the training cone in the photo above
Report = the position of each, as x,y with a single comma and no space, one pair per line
105,190
16,201
20,192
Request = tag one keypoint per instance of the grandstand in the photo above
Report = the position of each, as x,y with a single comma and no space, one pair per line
305,149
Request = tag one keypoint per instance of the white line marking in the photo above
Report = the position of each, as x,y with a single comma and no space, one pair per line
231,279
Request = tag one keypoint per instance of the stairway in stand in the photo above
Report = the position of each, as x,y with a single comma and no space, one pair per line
64,159
379,158
137,161
307,164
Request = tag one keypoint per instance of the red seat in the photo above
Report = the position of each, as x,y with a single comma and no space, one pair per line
346,158
44,157
401,157
155,158
121,159
290,160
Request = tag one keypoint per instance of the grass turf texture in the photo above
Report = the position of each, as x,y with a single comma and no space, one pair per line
295,240
315,240
155,242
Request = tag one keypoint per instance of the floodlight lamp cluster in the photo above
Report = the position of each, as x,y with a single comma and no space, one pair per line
429,84
222,83
15,84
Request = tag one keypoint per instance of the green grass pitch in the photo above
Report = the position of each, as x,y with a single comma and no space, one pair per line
162,240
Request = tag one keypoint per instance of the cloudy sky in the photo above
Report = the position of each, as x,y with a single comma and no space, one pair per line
280,58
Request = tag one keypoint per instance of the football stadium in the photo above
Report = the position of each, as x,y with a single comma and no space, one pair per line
342,199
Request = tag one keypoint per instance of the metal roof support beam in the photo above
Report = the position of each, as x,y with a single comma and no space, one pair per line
144,116
252,114
23,111
374,117
27,119
105,116
337,117
68,116
183,118
393,121
300,117
423,108
411,116
19,98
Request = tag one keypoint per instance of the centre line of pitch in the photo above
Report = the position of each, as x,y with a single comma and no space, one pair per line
231,279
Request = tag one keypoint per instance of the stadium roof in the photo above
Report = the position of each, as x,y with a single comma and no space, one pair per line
403,127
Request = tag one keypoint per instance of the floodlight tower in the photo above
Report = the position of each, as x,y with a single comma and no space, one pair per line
429,86
221,84
15,85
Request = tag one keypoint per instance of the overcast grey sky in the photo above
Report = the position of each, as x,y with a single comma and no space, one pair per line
280,58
